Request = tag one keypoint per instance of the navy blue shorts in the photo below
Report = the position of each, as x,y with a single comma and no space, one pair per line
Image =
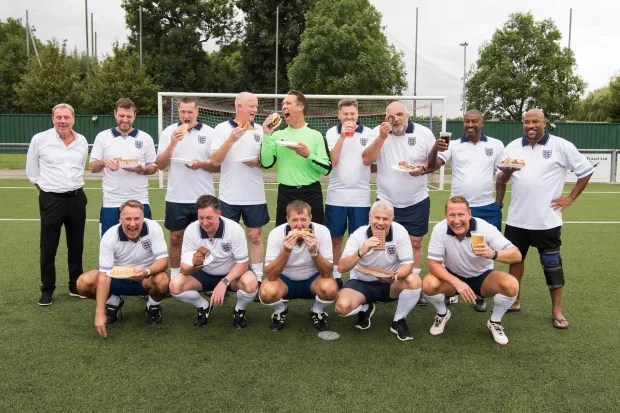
208,282
414,218
475,283
542,239
298,289
126,287
179,215
254,216
108,217
373,290
490,213
336,218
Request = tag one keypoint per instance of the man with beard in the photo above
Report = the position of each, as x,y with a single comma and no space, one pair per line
112,149
536,204
137,245
302,156
380,260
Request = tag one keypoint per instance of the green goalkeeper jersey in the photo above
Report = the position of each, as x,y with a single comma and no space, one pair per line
294,169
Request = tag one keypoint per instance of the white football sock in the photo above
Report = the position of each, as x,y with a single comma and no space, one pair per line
192,297
407,299
243,299
439,302
114,300
278,306
319,305
258,270
502,304
174,271
336,272
360,308
151,302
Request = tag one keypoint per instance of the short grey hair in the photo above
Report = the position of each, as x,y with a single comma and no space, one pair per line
381,204
63,106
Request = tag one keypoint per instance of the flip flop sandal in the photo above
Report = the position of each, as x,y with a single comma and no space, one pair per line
560,323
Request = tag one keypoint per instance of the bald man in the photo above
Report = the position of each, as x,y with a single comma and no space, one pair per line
235,150
397,140
536,205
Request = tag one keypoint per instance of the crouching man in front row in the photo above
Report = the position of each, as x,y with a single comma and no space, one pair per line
138,244
460,260
299,265
380,260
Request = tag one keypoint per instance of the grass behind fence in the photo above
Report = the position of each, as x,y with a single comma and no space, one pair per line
52,359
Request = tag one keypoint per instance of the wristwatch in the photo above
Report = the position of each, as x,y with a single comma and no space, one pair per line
225,281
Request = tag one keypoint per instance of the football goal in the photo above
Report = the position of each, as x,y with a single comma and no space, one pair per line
321,114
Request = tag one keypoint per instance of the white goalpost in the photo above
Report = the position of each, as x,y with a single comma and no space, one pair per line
321,113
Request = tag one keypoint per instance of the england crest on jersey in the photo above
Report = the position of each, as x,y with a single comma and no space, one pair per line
202,139
391,249
488,151
411,140
364,141
146,243
139,144
546,153
257,137
226,247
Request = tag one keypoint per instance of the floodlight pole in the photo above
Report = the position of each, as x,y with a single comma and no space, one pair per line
464,44
275,102
140,24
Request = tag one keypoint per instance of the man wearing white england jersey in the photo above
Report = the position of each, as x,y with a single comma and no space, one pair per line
112,148
214,258
460,261
400,140
348,193
184,149
298,264
391,259
235,150
474,158
135,242
536,204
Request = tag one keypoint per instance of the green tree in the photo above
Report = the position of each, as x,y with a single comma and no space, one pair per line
13,61
226,69
58,79
117,76
521,67
174,34
259,41
596,107
614,89
344,51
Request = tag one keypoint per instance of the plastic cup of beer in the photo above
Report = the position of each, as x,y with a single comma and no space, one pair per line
347,133
477,239
445,136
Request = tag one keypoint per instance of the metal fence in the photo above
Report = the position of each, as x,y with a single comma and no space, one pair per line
17,130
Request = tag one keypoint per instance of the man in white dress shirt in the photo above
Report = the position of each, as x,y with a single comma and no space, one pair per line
55,165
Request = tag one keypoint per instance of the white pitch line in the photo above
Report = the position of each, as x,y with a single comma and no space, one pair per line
430,222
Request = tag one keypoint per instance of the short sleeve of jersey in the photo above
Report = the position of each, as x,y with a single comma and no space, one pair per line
403,244
240,246
158,242
332,137
355,241
106,249
325,242
96,153
274,243
219,136
149,153
164,138
191,240
575,161
436,247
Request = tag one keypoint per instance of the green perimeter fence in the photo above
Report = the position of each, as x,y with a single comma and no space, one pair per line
16,130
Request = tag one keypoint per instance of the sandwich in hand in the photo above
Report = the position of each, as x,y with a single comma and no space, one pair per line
275,121
300,232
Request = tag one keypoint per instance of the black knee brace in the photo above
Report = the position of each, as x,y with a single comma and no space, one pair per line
552,266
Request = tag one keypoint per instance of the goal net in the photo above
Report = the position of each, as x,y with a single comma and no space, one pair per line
321,114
